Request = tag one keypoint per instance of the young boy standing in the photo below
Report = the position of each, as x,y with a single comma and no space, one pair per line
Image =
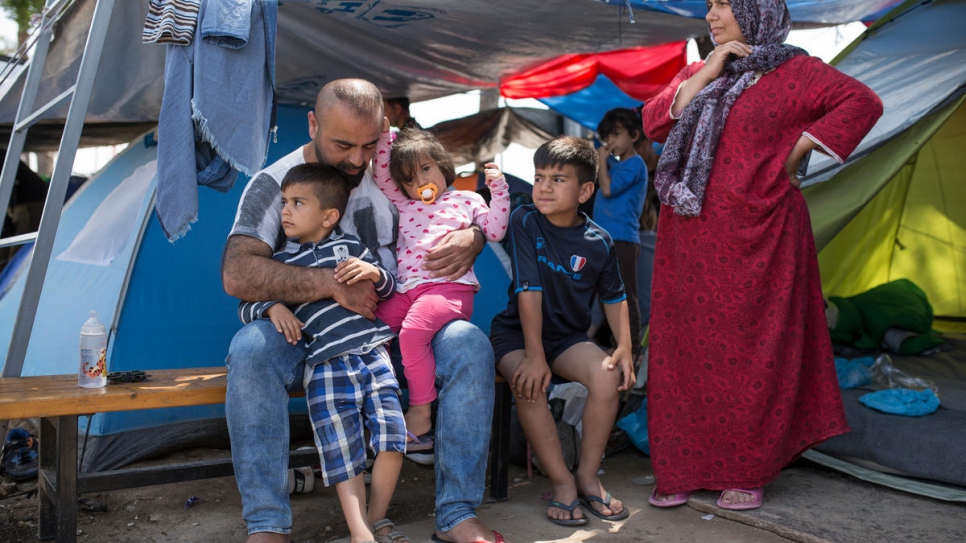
349,382
622,176
561,259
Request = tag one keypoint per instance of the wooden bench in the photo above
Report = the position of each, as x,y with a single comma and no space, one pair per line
58,401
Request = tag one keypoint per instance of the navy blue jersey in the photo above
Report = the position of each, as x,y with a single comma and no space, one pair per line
568,265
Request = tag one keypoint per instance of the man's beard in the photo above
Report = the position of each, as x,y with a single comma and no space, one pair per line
353,180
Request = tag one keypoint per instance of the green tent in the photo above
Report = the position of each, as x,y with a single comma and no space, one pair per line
898,209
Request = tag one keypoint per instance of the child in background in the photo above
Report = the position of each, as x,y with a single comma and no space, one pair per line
414,173
622,176
561,260
349,382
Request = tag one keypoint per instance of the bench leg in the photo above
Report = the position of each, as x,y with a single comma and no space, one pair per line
57,479
500,444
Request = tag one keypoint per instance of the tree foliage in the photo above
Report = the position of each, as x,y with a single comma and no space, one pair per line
21,11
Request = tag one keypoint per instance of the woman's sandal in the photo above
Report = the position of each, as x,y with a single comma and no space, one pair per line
668,500
392,537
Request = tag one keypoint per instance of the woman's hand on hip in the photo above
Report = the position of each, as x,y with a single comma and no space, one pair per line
802,147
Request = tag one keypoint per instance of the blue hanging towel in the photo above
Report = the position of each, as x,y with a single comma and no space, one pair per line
902,401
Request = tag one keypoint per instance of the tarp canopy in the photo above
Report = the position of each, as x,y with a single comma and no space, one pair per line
583,87
417,48
804,12
588,106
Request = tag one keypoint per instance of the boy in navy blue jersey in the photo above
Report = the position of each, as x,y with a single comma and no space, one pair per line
349,382
561,259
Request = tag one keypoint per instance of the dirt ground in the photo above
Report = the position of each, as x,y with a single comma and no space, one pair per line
159,513
808,504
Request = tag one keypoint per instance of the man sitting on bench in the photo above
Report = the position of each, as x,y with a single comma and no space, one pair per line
262,366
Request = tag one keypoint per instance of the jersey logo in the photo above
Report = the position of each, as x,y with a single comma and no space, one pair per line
577,262
540,243
341,253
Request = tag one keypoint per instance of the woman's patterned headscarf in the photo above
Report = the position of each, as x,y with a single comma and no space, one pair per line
685,165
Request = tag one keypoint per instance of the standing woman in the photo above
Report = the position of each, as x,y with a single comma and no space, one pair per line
741,378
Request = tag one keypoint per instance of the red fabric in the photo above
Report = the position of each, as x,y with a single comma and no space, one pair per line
741,377
641,72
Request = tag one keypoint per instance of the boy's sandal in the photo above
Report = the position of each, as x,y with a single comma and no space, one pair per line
392,537
588,502
572,521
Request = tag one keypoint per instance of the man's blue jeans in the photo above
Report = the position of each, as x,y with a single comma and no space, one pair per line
263,367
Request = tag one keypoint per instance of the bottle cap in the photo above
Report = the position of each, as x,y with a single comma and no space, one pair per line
93,326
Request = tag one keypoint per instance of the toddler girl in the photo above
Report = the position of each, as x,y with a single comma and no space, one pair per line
414,173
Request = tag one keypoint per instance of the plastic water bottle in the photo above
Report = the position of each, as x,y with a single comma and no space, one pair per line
93,354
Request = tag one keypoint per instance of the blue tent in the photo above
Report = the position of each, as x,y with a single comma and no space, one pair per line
163,303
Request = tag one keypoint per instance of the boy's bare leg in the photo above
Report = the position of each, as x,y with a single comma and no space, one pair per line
583,363
541,432
385,474
352,498
419,419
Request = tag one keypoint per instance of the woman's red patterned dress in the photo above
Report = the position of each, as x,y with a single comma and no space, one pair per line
741,377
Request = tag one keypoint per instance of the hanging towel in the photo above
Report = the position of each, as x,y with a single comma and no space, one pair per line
170,21
215,120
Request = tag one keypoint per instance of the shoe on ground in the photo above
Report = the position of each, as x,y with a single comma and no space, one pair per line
758,495
301,480
421,449
18,457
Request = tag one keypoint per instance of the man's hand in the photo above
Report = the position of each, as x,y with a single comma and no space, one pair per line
359,297
353,270
531,378
454,255
285,322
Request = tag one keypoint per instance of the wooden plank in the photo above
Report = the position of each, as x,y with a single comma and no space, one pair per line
56,395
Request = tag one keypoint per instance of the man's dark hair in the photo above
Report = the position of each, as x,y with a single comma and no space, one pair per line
329,186
623,117
568,150
361,97
410,146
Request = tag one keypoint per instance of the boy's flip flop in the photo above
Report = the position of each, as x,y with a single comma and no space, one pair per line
588,501
672,500
572,521
758,493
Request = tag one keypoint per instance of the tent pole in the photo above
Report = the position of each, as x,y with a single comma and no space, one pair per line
50,220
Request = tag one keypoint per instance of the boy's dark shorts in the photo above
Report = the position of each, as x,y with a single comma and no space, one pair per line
506,339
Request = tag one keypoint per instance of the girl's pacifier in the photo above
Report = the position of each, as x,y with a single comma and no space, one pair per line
427,193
